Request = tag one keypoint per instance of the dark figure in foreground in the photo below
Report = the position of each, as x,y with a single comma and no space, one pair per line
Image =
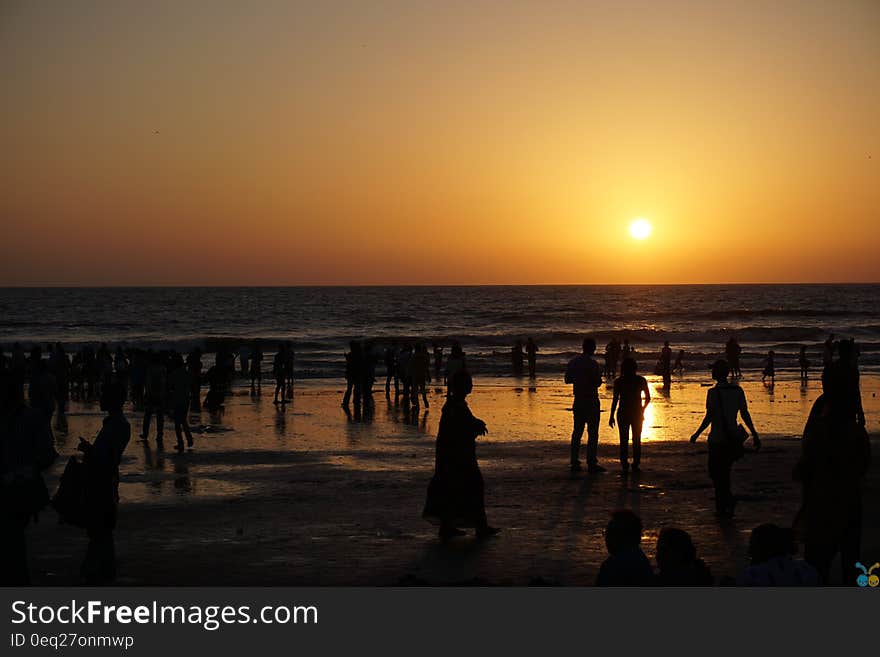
626,564
835,455
677,560
771,551
724,402
631,398
585,377
26,450
455,494
101,460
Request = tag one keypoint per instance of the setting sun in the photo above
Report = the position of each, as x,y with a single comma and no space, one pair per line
640,229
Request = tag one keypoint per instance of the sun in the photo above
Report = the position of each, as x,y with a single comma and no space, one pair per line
640,229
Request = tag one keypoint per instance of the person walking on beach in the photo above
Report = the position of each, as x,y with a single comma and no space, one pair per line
391,371
585,377
456,493
732,351
666,364
516,357
256,371
438,360
678,368
631,398
724,402
101,460
835,456
155,389
420,371
804,364
769,368
532,356
278,371
180,389
404,371
289,360
352,375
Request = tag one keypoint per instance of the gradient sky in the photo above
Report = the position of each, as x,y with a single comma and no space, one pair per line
284,143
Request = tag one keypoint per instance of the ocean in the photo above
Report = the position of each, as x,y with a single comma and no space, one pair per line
486,320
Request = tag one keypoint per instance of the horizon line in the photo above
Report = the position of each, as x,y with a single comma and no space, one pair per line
418,285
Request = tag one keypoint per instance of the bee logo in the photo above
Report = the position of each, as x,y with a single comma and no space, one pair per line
868,578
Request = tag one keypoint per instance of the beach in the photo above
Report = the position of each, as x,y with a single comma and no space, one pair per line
308,496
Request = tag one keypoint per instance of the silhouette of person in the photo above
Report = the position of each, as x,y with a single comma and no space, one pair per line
732,351
256,366
532,356
724,402
352,374
626,564
677,561
456,492
438,360
368,377
631,397
279,372
585,377
42,388
455,363
679,363
804,364
835,456
516,357
420,372
390,370
846,370
626,351
769,368
194,365
666,364
155,390
26,450
101,460
289,361
180,389
771,552
613,350
404,371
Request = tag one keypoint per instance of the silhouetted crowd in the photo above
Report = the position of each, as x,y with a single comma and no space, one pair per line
834,458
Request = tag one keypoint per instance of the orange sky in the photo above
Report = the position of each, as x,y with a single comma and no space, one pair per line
439,142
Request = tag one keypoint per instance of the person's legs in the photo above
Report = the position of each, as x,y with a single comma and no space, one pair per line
637,441
623,431
160,422
148,412
424,390
593,435
346,398
580,421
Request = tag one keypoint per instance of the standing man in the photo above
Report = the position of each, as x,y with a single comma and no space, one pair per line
585,377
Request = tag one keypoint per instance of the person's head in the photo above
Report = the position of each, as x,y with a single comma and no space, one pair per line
666,343
720,371
457,350
589,346
461,385
623,532
629,367
769,541
112,397
845,350
675,549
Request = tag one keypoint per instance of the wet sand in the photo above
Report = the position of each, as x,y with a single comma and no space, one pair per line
309,497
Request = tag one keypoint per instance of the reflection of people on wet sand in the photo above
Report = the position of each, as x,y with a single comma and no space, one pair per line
629,391
101,460
835,456
626,564
724,402
585,377
455,494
